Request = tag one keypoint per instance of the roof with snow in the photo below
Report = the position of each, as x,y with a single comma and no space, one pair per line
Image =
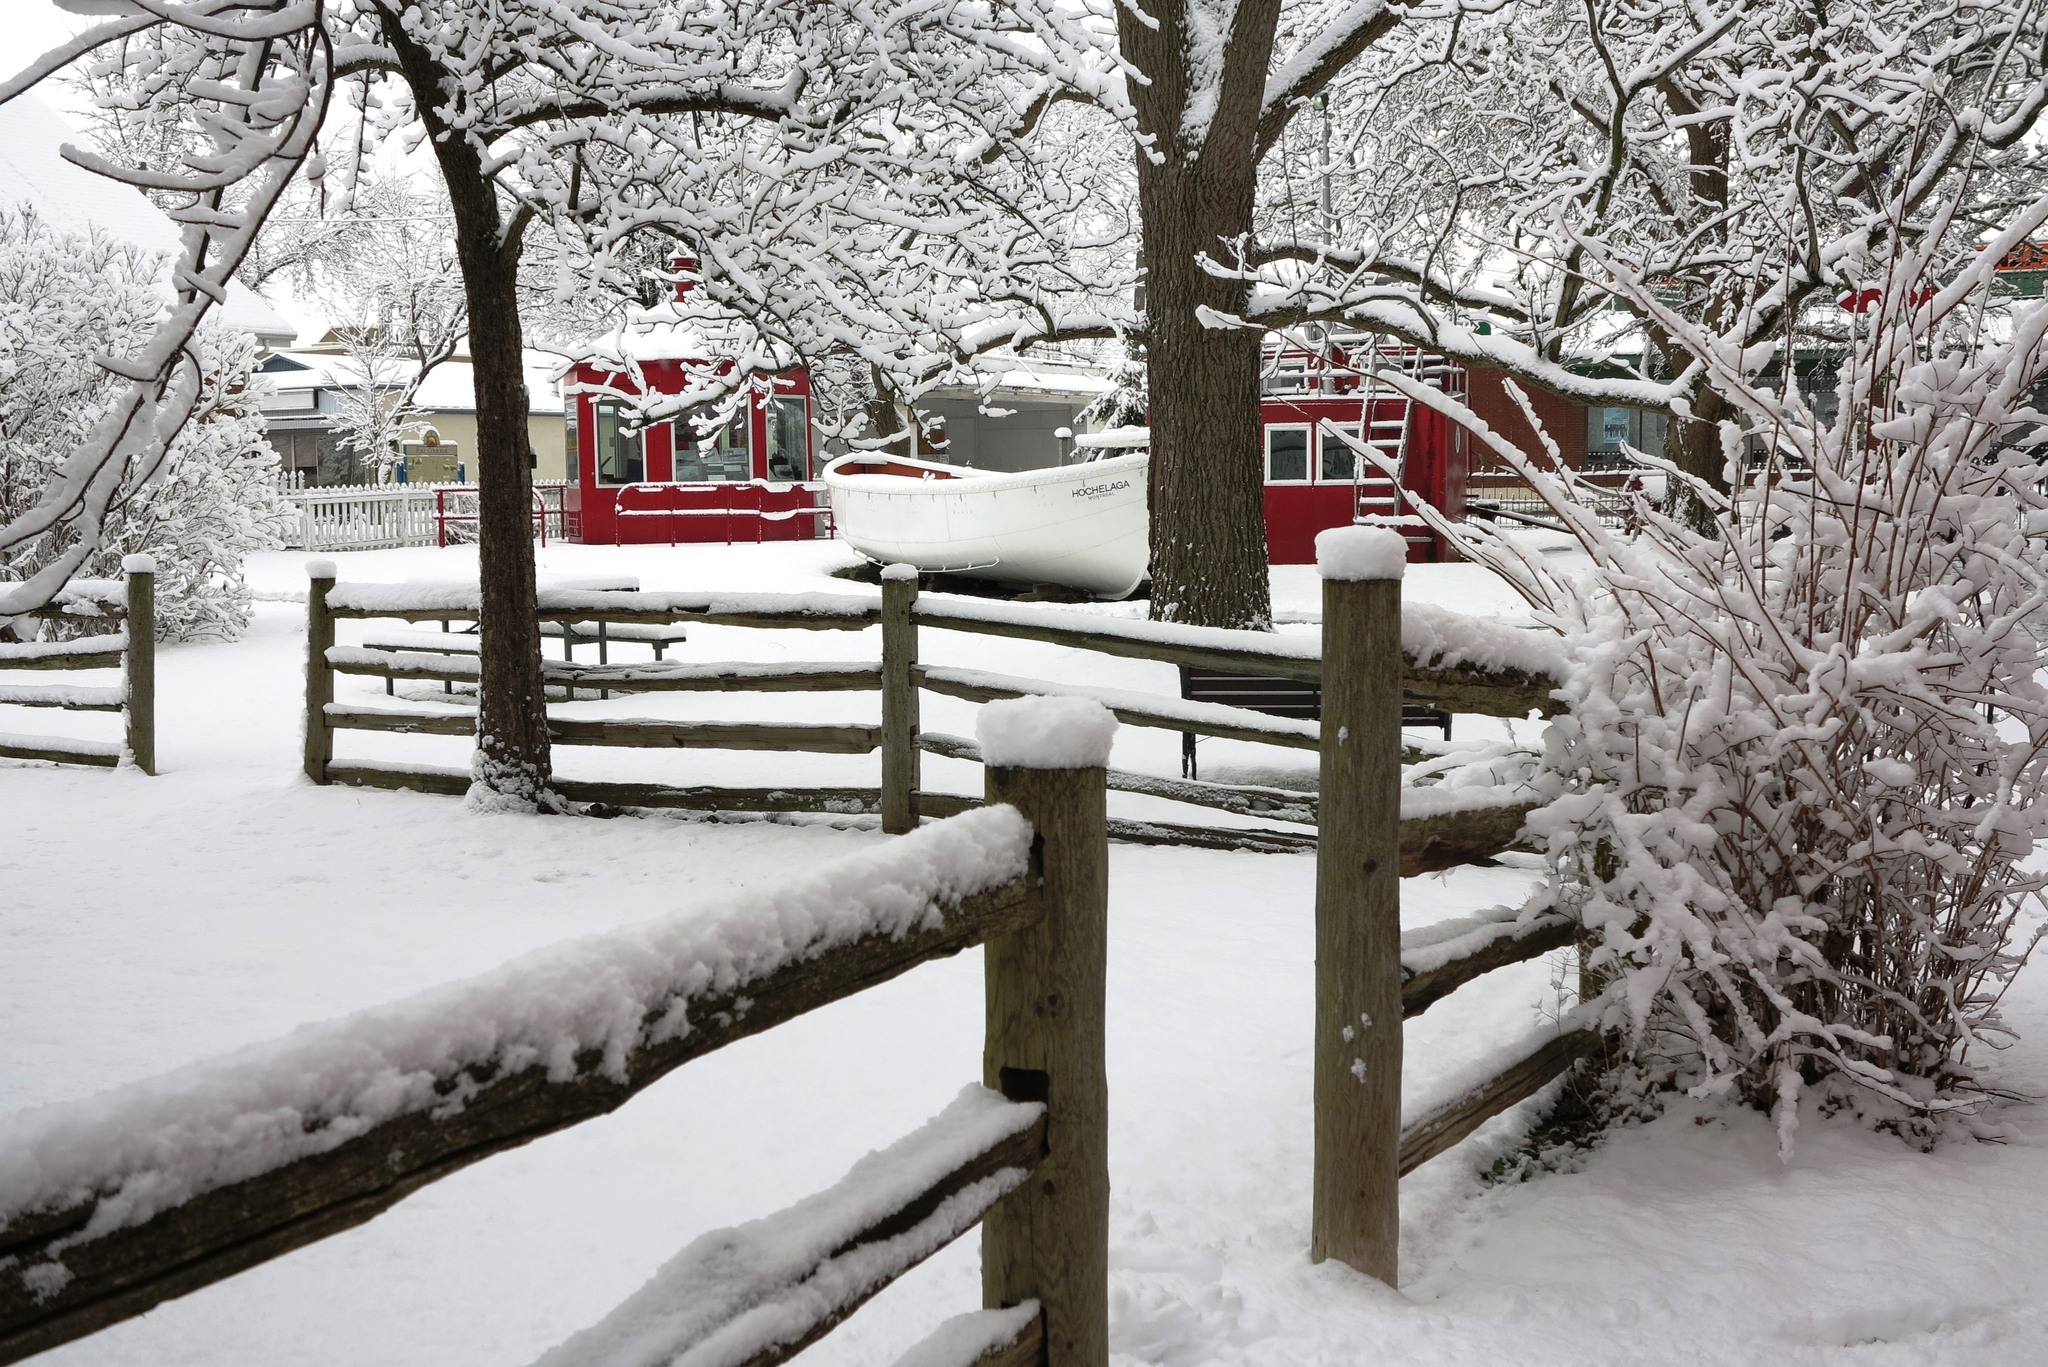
33,171
449,388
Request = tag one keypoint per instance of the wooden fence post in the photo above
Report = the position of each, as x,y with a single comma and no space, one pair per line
900,759
319,674
1049,1239
1357,1208
140,661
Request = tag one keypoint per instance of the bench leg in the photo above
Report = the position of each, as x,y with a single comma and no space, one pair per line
1187,755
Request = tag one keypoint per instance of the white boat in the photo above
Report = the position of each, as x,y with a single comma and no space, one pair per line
1081,526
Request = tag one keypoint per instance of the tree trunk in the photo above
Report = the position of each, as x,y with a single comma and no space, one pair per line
1207,494
513,767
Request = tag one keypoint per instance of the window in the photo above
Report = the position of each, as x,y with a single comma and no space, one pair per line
1339,461
621,453
789,444
1615,428
1286,455
721,456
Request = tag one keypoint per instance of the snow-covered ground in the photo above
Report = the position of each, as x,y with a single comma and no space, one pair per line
146,923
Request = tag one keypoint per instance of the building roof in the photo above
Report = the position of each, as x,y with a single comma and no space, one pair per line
33,171
297,377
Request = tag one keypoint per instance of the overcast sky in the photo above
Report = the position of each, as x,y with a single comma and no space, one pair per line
37,26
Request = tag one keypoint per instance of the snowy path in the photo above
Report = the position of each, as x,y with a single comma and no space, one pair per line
146,923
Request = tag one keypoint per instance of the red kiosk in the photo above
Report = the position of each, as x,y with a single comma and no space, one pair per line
1314,481
749,480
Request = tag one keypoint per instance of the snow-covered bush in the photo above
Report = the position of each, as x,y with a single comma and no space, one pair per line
1801,777
67,299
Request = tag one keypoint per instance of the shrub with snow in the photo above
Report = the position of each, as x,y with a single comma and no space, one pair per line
1801,777
70,298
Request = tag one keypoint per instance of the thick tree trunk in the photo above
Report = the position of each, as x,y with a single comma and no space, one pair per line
513,766
1208,519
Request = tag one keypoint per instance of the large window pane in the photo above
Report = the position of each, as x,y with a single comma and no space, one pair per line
1339,460
1286,455
620,455
789,446
716,457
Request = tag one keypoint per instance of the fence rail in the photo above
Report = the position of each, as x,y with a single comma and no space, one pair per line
1367,830
1431,840
1027,880
130,603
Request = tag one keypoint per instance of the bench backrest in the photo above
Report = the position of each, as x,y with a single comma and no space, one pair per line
1254,692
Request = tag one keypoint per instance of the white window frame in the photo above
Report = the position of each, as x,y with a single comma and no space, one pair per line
1308,437
1355,429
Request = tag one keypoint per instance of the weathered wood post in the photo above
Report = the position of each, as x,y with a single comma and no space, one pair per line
319,674
1357,1207
140,660
900,766
1049,1239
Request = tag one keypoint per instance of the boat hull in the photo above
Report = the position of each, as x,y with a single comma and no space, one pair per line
1079,526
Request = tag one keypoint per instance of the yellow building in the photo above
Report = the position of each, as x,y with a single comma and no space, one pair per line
313,391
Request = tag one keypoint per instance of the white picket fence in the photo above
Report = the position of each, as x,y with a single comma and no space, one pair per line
373,517
364,517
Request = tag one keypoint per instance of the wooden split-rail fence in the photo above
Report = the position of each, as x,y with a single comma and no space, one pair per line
128,611
1436,835
68,1269
1370,976
1025,1156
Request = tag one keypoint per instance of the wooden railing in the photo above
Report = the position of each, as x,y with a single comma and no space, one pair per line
157,1190
130,609
1369,831
1435,835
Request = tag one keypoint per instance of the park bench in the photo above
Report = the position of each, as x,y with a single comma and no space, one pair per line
1275,697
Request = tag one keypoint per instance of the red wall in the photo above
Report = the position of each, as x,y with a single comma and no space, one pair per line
1438,455
659,510
1563,420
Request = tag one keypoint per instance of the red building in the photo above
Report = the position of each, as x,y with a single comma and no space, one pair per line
749,478
1315,481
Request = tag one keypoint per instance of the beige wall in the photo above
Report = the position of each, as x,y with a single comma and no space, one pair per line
545,430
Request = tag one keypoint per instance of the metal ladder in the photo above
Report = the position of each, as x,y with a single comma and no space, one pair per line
1386,421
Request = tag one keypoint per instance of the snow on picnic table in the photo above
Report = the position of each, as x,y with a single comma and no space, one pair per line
149,923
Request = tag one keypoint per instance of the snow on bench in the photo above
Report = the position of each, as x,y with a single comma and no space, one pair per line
585,1022
380,659
462,599
468,642
780,1282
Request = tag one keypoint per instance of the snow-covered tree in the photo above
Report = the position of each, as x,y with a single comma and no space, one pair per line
517,105
255,81
65,299
1742,158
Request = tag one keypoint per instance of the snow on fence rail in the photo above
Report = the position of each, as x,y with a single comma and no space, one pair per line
112,1204
130,607
1452,661
1369,831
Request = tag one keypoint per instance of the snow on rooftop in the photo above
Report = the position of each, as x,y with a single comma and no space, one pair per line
449,388
33,171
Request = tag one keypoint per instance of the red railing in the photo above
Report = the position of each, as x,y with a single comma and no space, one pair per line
542,510
728,505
